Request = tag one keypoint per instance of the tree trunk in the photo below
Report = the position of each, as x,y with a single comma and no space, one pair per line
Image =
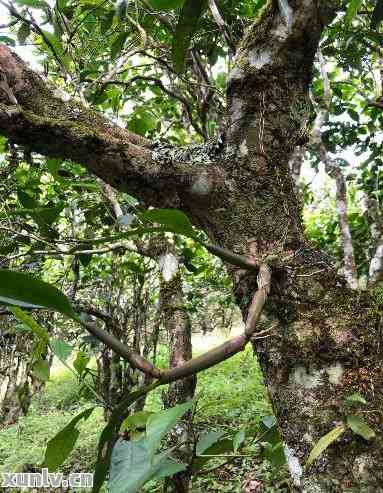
327,339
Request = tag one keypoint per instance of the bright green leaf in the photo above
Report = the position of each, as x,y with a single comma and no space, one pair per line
356,398
352,10
81,361
325,442
29,322
61,349
359,426
36,4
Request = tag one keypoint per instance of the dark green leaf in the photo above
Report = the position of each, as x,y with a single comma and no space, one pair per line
23,290
8,41
60,446
117,45
191,12
23,32
173,219
165,5
377,14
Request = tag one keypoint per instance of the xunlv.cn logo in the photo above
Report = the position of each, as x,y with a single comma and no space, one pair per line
46,479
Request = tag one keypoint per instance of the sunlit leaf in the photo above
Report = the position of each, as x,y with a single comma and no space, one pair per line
325,442
359,426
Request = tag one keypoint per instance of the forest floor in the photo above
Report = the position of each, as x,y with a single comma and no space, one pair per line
231,396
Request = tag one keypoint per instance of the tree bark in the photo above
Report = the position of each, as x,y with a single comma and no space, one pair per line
327,339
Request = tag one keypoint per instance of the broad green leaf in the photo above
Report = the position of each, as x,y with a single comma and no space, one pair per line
81,361
26,200
356,398
173,219
359,426
60,446
352,10
41,370
17,288
108,436
377,14
207,440
165,5
224,446
61,349
165,467
130,466
191,12
29,322
161,423
274,454
325,442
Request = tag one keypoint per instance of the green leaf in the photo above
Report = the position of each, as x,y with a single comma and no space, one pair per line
23,32
107,438
81,361
53,165
352,10
165,467
166,5
274,454
238,439
61,445
55,45
356,398
26,200
173,219
207,440
17,288
7,40
29,322
41,370
325,442
191,12
223,446
118,45
353,114
136,421
61,349
36,4
377,14
161,423
130,466
359,426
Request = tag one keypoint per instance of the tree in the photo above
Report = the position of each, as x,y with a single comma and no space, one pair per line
324,342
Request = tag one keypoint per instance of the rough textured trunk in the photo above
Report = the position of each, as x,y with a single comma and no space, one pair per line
178,326
327,339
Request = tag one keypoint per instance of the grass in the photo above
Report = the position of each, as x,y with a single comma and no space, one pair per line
230,396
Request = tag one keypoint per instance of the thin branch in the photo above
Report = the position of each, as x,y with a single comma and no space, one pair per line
221,24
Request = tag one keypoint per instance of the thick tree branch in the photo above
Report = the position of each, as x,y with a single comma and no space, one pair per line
53,127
